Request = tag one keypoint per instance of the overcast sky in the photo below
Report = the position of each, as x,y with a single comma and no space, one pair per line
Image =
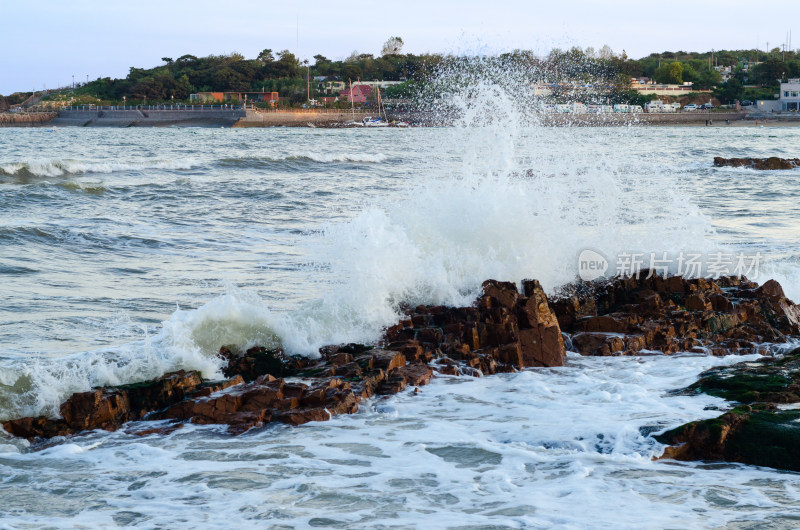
46,42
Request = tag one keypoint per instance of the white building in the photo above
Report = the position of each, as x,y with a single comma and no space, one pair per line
790,95
725,72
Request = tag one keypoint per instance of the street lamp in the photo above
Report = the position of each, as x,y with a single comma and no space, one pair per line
123,102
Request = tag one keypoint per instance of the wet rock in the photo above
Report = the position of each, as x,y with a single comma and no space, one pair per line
668,315
772,162
387,360
108,408
768,380
258,361
760,435
757,432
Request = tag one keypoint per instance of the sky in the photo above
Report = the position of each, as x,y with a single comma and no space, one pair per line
43,43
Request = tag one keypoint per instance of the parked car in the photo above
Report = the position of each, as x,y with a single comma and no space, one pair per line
746,103
690,107
706,106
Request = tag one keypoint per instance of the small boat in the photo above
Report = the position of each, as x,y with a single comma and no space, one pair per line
369,121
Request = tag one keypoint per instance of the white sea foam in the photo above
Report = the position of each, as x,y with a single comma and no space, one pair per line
541,448
57,168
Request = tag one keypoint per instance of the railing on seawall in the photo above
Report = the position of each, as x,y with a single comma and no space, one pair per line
153,108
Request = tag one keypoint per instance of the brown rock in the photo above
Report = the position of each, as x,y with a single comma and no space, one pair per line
387,360
415,374
504,293
299,417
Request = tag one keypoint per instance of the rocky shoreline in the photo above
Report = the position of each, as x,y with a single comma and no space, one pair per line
505,330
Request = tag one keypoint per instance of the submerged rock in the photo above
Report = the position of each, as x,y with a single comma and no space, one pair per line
758,431
772,162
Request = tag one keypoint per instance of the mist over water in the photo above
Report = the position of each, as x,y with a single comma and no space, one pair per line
125,254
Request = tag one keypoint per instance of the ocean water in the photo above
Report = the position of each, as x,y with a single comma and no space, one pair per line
128,253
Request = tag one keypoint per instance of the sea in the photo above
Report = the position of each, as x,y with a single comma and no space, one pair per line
129,253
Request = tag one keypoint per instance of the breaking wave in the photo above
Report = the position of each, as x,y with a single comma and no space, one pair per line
67,167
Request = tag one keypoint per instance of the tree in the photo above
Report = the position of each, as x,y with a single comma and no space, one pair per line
708,79
167,60
769,72
669,73
730,91
606,52
265,56
393,46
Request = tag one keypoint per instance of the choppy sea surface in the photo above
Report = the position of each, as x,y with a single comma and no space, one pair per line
128,253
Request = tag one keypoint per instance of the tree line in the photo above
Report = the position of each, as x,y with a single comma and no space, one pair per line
608,72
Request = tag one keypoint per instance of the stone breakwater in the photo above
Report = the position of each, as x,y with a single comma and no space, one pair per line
504,330
33,119
772,162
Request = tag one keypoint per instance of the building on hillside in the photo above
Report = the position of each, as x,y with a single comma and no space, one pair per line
381,84
746,66
790,95
725,72
665,90
329,84
357,94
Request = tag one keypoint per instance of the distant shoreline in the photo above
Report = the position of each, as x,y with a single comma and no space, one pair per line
327,118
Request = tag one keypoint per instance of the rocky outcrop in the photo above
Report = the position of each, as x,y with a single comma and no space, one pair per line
110,408
504,331
772,162
4,106
626,316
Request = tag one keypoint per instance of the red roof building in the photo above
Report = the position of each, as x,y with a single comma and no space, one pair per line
358,94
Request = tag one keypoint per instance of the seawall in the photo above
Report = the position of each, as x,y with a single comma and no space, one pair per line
149,118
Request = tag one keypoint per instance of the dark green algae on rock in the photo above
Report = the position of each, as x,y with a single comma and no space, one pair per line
760,431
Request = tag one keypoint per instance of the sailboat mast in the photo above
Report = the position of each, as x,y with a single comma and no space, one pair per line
352,107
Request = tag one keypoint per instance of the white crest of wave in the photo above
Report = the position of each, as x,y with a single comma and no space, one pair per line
57,168
342,157
189,340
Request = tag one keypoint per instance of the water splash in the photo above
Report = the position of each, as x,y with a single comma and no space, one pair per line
523,202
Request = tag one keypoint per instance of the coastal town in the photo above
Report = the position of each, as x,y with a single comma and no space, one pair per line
395,88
